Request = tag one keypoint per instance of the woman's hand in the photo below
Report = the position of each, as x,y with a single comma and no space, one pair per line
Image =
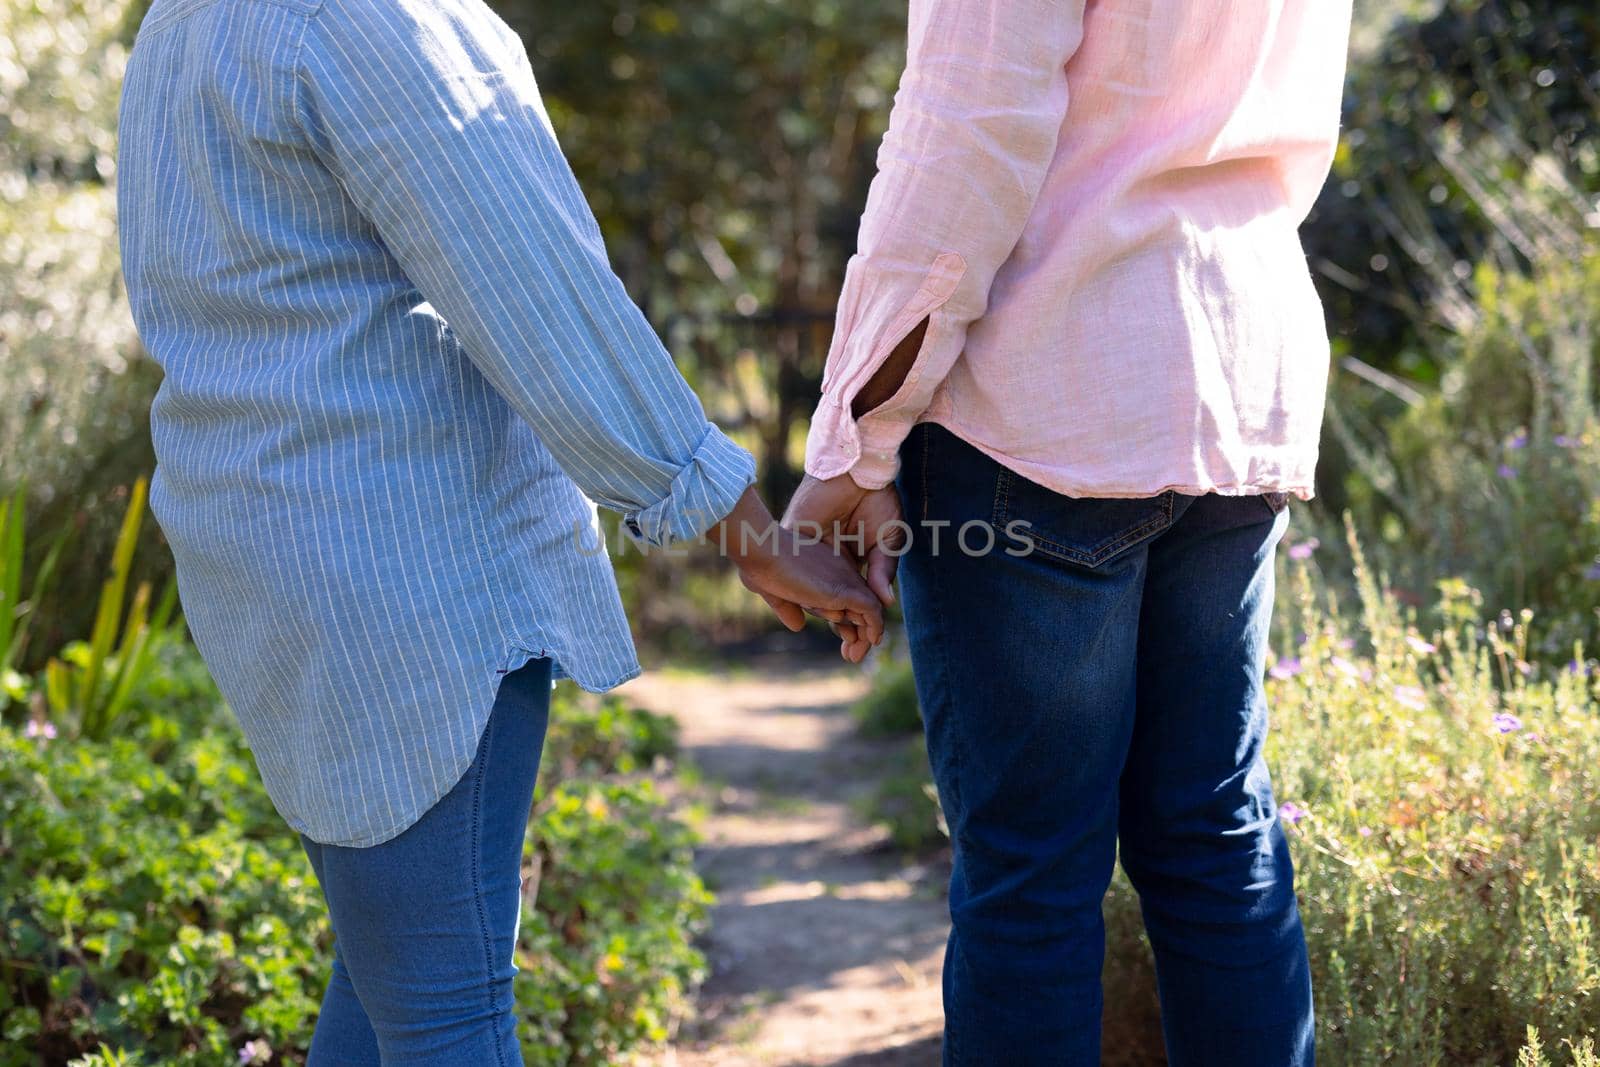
865,526
795,574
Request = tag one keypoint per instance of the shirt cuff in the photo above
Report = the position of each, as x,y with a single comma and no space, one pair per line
702,493
838,443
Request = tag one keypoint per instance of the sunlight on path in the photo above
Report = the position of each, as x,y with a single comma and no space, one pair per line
825,947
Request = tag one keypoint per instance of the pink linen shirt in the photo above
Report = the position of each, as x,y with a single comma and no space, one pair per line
1095,206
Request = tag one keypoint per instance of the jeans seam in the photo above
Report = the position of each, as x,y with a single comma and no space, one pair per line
936,584
477,881
927,438
1002,499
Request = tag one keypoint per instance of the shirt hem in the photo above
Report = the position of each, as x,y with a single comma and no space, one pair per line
516,656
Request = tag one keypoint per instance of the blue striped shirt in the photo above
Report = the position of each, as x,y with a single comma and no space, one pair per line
398,369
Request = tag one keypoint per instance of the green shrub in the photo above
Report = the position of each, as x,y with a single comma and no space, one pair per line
889,708
1442,793
606,735
905,803
1532,1053
1494,477
75,410
607,954
157,910
1451,869
155,904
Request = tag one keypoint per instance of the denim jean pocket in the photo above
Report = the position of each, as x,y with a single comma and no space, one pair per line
1087,531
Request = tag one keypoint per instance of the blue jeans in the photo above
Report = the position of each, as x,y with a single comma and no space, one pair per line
425,924
1104,689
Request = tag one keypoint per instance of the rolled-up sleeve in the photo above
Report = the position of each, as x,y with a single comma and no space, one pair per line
428,114
971,134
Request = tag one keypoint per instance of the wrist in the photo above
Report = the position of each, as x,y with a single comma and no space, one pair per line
820,501
745,531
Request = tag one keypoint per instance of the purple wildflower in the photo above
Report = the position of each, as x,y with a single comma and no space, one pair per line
1287,667
1291,813
1505,470
1345,667
1365,831
39,728
1507,723
1580,669
1519,441
1347,643
1419,646
256,1051
1303,549
1593,573
1411,696
1564,441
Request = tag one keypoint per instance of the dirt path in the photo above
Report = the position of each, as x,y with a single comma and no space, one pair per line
825,946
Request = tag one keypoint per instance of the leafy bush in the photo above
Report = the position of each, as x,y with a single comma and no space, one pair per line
905,803
1495,476
889,708
607,953
153,899
1459,115
74,415
603,735
157,910
1443,795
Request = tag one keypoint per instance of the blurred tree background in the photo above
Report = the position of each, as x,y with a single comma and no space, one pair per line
726,149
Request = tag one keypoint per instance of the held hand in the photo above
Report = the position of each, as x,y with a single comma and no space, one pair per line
795,574
805,574
865,522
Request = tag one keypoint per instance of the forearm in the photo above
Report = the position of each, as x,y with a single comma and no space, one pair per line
972,134
892,375
460,174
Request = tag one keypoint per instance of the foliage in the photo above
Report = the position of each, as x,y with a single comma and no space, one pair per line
1494,476
726,149
1442,793
889,708
16,612
1464,119
157,910
905,803
591,735
90,684
607,952
902,801
74,411
607,955
61,65
1532,1053
153,900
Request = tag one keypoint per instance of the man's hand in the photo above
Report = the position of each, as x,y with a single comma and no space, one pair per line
795,575
866,524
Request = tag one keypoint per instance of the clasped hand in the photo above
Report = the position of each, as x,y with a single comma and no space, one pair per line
796,574
862,526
